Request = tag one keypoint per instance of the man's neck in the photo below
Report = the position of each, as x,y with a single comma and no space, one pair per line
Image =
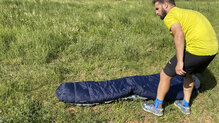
170,7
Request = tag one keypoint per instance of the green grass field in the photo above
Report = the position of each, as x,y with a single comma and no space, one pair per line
44,43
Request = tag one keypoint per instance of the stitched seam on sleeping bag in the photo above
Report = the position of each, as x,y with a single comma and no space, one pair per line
103,92
89,91
75,91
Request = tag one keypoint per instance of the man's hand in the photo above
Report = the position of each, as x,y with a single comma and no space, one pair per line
179,69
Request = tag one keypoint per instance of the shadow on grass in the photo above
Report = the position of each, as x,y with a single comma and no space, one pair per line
207,82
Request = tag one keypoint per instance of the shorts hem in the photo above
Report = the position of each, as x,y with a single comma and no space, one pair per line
167,73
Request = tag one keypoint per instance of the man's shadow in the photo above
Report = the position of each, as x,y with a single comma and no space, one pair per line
207,82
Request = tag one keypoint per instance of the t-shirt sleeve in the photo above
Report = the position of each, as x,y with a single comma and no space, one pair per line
170,20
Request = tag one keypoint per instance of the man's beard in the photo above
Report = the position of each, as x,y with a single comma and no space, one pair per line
164,13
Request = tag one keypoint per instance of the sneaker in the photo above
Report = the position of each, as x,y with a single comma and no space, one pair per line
179,104
150,107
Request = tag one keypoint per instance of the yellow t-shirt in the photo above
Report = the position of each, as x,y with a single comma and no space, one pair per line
200,37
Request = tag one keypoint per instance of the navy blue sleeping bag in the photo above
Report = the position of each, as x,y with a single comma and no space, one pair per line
91,92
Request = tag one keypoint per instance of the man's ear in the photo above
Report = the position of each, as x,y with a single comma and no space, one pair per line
165,5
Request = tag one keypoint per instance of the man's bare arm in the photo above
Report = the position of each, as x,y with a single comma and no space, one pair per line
179,45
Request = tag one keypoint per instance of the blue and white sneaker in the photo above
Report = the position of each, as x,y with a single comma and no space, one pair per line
150,107
179,104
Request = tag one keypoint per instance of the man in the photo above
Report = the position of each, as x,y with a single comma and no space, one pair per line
196,45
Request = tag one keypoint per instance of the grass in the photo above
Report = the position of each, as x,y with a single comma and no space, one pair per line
44,43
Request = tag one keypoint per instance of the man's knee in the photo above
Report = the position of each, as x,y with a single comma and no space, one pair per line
163,75
188,81
188,78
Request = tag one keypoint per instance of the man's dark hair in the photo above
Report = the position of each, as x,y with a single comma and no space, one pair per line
162,1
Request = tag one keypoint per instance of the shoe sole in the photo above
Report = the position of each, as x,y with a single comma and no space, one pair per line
152,112
180,109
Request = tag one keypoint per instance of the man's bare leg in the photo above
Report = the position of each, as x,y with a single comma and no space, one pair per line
188,85
183,105
163,86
